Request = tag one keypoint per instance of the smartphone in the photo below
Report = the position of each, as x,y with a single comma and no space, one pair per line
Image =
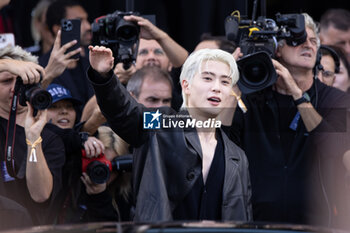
7,39
70,30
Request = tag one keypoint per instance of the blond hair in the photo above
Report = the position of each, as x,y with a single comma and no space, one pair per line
17,53
123,181
194,64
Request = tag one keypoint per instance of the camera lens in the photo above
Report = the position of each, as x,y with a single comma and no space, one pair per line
38,97
127,31
98,172
256,72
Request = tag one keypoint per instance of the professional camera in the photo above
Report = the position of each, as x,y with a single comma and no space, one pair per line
99,168
121,36
39,98
258,42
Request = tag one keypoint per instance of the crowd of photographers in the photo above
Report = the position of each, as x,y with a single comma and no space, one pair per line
62,163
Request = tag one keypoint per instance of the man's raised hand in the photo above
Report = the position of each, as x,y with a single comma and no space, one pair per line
101,59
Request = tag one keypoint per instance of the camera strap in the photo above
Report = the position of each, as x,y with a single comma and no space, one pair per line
11,133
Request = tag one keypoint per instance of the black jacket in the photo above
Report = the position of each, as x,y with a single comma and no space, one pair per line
293,172
167,163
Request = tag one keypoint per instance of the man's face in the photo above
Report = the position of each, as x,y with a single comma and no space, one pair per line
150,53
342,79
327,75
7,83
62,114
210,88
154,94
77,12
333,36
302,56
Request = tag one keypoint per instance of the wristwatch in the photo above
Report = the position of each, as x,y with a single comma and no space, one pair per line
305,98
83,137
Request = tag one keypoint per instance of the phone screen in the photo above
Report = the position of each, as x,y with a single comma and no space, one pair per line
7,39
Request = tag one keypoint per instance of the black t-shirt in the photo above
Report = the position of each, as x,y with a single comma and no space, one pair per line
16,189
204,201
283,156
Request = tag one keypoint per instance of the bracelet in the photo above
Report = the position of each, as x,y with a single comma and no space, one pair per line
32,157
241,104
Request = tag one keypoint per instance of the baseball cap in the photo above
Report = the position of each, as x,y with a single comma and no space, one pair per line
59,92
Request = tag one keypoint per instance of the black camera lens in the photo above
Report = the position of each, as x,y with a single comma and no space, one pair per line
38,98
122,163
127,31
256,72
98,172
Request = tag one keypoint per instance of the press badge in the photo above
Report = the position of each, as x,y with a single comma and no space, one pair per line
295,121
4,174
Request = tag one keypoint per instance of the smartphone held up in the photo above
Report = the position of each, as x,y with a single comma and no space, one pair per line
70,30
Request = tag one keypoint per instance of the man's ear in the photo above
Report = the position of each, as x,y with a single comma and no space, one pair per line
278,52
170,67
185,87
132,94
55,29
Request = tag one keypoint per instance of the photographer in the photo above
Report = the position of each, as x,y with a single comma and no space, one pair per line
291,134
156,48
38,154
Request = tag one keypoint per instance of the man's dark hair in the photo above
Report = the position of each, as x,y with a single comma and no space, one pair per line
339,18
57,11
327,50
152,72
221,41
342,56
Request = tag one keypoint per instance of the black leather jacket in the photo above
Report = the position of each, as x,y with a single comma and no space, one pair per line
166,163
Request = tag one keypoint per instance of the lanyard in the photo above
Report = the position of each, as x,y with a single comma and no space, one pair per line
11,133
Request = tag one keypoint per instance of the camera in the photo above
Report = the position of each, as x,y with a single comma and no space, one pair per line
121,36
99,168
258,40
38,97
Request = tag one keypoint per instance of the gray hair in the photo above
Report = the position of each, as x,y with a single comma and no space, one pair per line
195,61
153,72
17,53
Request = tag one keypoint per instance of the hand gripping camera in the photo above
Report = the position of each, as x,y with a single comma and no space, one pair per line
121,36
33,93
99,168
258,40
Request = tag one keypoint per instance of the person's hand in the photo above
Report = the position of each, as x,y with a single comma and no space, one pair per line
91,187
93,147
237,54
285,83
59,59
101,59
124,75
30,72
148,30
34,125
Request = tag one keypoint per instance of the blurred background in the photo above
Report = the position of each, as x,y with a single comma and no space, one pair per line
184,20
